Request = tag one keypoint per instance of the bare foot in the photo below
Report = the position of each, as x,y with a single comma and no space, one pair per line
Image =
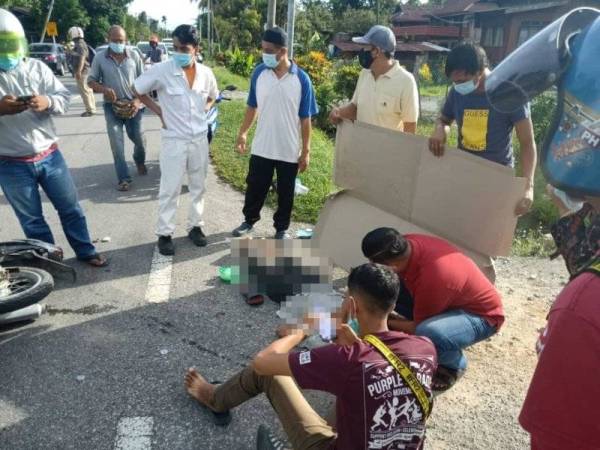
198,387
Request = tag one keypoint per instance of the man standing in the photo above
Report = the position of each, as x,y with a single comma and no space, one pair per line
386,94
186,90
376,406
455,305
29,155
483,130
81,66
113,73
282,96
155,54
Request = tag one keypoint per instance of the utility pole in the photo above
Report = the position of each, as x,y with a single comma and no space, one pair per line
291,19
271,9
209,27
47,20
378,21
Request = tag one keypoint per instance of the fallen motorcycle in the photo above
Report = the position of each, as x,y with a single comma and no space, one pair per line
24,277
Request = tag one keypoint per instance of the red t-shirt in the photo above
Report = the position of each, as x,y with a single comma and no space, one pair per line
561,409
440,278
374,408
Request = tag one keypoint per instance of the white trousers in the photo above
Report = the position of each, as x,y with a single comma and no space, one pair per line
178,156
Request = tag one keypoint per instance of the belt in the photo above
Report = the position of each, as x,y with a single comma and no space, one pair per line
30,159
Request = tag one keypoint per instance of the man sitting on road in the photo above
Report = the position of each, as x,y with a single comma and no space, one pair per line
374,402
455,305
113,73
483,130
386,94
186,90
29,155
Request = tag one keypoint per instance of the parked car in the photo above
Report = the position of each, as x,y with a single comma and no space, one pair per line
52,54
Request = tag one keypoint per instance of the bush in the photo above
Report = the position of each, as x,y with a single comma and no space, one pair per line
425,76
437,67
316,65
240,62
345,79
326,98
542,112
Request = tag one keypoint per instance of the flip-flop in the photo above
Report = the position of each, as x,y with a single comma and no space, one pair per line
123,186
96,260
254,299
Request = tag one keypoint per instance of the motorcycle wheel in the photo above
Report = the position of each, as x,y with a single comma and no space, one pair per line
27,286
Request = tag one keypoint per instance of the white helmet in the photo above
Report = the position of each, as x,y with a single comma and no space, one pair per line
75,32
12,36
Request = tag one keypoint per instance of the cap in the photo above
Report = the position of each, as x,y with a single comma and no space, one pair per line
380,37
275,36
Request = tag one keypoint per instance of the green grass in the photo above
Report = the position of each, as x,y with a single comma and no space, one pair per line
225,77
433,90
233,167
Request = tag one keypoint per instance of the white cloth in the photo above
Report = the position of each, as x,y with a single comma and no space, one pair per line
177,157
183,108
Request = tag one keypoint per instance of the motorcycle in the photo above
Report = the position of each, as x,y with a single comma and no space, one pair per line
24,277
213,113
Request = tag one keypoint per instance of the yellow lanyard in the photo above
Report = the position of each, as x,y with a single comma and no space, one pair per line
407,375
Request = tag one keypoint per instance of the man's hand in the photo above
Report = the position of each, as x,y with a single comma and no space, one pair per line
241,143
525,203
346,336
110,95
437,142
39,103
335,117
9,105
303,161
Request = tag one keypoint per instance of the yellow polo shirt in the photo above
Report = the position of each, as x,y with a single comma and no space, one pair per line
388,101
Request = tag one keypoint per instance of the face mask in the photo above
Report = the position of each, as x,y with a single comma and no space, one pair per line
353,323
117,48
8,63
182,59
365,58
465,88
270,60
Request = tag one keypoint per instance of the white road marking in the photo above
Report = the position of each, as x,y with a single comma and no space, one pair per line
134,433
159,282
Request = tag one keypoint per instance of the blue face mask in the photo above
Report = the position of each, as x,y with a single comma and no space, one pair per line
270,60
182,59
465,88
8,63
117,48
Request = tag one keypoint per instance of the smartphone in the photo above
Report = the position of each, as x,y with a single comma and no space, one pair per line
24,98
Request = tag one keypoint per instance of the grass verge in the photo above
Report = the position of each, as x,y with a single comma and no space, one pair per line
225,77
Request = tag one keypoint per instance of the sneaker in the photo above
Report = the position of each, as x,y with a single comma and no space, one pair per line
87,114
165,246
242,230
283,234
197,237
265,440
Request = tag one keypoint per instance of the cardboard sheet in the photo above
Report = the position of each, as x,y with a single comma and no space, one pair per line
392,178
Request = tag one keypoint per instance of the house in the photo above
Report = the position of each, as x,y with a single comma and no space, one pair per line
499,26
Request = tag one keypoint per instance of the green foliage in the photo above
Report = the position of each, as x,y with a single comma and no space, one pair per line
316,65
542,111
425,76
437,66
532,242
345,80
326,98
225,78
240,62
356,21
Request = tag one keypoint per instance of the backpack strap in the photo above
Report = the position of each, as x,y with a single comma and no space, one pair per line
405,372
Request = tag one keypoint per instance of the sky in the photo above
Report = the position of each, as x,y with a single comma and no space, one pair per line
177,11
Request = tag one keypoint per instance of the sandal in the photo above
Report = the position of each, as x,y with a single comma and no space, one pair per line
123,186
255,299
445,378
96,260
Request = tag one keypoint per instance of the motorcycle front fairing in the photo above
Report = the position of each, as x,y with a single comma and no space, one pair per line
35,253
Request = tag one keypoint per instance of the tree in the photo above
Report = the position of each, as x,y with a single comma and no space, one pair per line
356,21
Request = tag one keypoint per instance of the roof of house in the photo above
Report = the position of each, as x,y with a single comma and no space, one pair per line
413,47
450,8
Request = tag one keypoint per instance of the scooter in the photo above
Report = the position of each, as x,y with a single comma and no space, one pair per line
24,277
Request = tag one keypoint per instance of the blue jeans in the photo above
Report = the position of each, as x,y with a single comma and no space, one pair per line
133,127
20,183
453,331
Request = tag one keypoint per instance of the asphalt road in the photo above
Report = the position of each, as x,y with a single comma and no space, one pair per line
104,368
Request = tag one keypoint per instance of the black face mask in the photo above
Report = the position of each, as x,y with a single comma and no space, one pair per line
365,58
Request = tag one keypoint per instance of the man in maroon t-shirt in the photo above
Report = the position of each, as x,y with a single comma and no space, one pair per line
455,305
376,409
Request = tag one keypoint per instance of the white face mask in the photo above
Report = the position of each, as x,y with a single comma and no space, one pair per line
270,60
466,88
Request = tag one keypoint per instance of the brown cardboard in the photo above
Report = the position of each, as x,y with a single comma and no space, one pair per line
392,178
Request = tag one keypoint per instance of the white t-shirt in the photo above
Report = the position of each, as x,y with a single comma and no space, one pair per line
281,104
183,107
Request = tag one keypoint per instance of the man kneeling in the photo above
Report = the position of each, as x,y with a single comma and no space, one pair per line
375,404
454,304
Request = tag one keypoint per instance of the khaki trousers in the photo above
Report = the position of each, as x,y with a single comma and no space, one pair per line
304,427
87,95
